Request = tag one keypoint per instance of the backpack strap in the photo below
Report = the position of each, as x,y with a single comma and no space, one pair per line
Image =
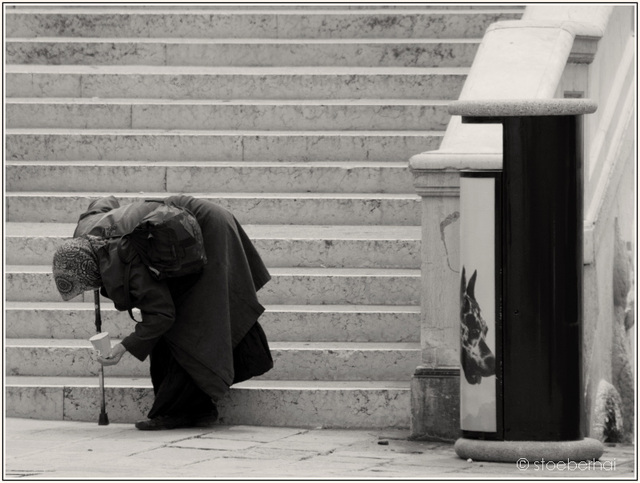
126,258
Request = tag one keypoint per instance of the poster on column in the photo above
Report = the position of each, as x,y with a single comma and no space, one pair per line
478,407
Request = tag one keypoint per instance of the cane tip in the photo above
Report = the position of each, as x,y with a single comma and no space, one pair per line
103,420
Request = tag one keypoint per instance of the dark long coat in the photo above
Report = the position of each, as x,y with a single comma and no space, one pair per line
209,318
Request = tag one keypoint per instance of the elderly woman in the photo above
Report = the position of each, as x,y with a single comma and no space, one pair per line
200,330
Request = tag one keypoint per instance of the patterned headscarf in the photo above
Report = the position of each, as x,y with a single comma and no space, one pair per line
75,268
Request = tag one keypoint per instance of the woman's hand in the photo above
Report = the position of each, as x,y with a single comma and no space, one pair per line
114,356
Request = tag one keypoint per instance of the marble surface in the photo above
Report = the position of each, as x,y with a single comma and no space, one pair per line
381,114
266,24
274,403
235,113
140,82
333,286
308,361
161,145
342,286
361,53
279,246
230,177
292,323
285,208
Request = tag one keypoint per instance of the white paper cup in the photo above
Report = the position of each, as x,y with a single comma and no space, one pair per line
101,343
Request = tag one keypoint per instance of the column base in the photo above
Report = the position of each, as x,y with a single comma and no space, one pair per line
529,452
435,403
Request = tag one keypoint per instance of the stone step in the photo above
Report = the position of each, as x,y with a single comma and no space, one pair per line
300,286
279,245
213,8
166,82
362,404
263,115
187,177
243,52
303,361
283,323
260,23
162,145
249,208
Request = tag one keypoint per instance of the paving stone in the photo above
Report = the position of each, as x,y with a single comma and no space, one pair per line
215,444
252,433
68,455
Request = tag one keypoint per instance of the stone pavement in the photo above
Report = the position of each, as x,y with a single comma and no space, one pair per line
36,449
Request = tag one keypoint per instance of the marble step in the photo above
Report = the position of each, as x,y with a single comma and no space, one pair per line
314,286
325,361
362,404
283,323
218,176
260,23
199,145
213,7
249,208
279,245
226,83
264,115
243,52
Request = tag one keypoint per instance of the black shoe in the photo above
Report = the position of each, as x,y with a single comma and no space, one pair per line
164,422
205,420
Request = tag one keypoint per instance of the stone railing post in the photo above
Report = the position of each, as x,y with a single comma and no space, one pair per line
435,384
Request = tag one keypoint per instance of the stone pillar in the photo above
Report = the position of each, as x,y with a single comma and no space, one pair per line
435,387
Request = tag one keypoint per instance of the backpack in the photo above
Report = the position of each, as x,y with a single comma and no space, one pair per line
169,242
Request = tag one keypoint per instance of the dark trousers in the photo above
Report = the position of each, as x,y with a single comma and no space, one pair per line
176,392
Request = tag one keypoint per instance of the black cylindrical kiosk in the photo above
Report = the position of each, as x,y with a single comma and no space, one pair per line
542,278
538,283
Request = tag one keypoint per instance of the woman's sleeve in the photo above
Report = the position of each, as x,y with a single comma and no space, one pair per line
158,312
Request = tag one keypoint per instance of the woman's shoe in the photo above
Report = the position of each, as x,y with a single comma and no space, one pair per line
205,420
164,422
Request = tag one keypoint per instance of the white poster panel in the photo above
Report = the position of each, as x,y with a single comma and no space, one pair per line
478,304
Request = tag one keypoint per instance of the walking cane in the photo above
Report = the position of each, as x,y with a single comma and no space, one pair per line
103,420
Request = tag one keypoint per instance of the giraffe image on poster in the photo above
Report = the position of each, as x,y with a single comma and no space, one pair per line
476,358
479,305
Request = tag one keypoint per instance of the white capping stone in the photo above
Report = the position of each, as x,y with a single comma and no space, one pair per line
522,107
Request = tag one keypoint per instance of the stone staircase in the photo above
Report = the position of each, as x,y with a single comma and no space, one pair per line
299,120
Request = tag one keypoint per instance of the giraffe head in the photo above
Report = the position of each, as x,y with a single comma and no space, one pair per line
477,359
